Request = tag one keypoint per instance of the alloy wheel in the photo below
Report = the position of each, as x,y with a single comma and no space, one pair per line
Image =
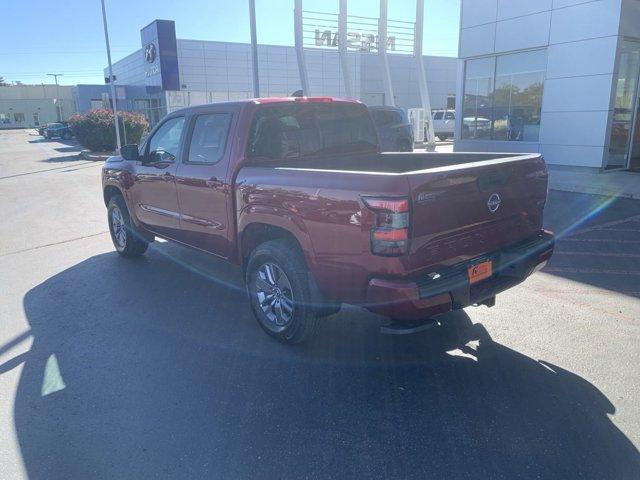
118,228
275,295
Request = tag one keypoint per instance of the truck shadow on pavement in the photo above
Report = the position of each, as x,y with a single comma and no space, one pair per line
144,369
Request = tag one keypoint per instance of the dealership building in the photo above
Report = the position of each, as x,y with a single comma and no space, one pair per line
559,77
167,73
23,106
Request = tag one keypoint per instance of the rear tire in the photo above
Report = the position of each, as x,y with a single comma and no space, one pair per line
279,291
127,241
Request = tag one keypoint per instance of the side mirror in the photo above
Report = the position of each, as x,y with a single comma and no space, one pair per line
129,152
160,156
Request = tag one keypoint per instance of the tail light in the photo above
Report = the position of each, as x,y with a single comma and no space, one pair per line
390,234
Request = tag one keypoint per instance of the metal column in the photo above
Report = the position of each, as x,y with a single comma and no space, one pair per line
342,48
422,76
382,53
299,40
254,48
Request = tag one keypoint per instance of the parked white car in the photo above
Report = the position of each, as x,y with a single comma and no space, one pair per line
444,122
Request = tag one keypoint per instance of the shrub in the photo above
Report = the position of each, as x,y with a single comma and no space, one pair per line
94,129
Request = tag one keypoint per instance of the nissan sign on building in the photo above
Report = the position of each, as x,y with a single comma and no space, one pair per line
174,73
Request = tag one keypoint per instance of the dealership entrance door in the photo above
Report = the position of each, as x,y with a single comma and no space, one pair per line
624,144
634,157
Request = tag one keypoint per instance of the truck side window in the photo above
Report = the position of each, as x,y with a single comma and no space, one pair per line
209,138
438,115
164,145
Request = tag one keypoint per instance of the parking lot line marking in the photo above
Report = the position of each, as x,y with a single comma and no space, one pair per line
598,254
604,226
598,240
587,292
637,230
52,244
48,170
590,270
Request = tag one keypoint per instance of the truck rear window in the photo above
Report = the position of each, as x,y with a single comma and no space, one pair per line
285,131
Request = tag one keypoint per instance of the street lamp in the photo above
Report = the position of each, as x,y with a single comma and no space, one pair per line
254,48
58,104
113,88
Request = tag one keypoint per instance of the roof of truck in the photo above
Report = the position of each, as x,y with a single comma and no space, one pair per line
268,100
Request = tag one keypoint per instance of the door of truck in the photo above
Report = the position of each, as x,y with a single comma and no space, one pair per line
153,193
202,183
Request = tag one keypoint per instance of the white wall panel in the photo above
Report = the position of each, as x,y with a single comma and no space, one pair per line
491,146
577,94
478,40
586,20
523,32
519,8
478,12
573,155
587,57
574,128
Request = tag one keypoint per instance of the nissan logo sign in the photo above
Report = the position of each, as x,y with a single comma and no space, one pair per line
494,202
150,53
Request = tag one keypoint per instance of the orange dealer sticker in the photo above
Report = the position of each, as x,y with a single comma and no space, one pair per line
480,271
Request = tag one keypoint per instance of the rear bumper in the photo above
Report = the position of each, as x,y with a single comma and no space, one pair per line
450,288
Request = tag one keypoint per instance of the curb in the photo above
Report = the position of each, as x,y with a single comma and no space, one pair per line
95,156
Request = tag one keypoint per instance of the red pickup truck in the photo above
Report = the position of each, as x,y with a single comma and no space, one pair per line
296,191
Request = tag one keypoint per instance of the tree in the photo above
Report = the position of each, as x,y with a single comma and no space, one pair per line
2,82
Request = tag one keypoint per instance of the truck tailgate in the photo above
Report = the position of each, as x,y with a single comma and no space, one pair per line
463,212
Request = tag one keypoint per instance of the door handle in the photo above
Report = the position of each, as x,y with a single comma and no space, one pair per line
161,165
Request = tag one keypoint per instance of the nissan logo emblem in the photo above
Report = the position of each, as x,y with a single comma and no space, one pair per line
150,53
494,202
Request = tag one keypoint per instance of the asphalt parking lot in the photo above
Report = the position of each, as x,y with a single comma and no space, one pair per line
155,368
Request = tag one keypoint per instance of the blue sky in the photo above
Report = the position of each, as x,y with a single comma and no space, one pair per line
49,36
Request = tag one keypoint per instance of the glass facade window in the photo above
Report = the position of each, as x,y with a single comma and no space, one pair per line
477,109
503,97
626,88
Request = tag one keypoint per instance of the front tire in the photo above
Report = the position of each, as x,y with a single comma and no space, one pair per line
128,243
279,291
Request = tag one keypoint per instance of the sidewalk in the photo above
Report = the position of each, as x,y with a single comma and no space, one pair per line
615,184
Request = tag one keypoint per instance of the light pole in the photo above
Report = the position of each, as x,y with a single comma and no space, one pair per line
58,104
113,88
254,48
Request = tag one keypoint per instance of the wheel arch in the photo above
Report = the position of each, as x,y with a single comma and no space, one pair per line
256,233
109,192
